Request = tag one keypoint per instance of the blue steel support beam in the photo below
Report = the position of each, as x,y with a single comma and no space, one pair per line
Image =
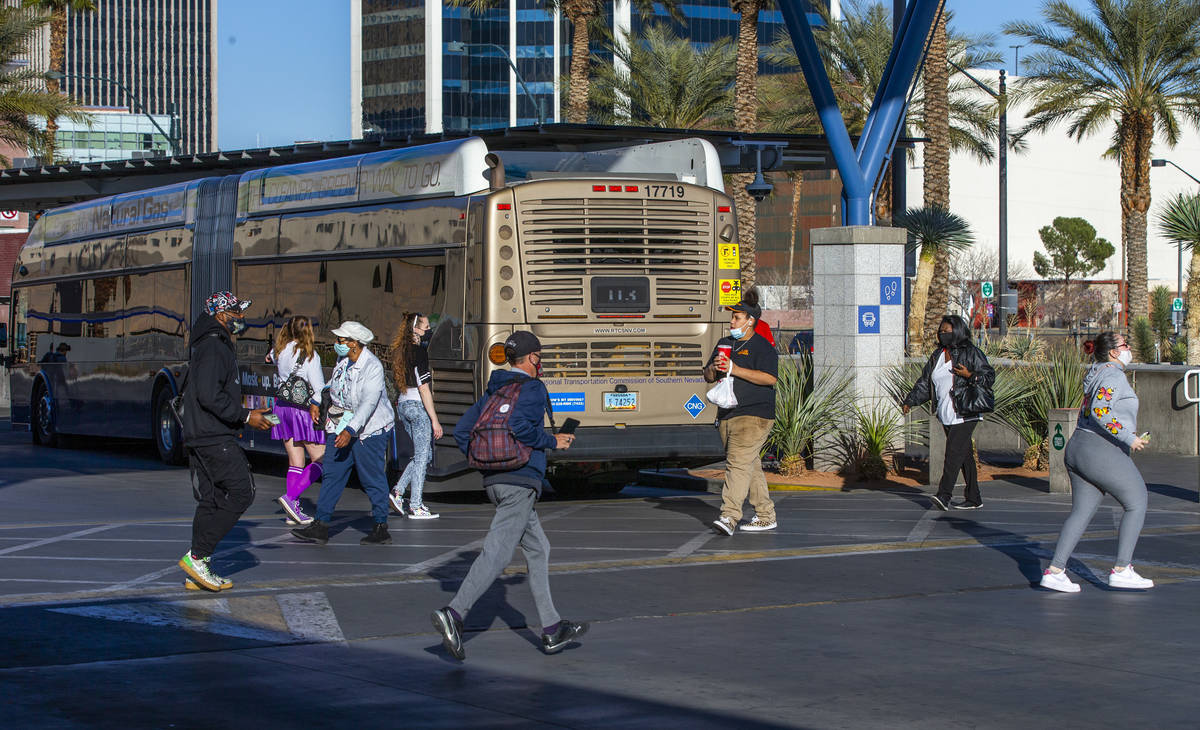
859,168
856,191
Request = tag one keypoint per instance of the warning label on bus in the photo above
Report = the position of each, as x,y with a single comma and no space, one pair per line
730,291
727,256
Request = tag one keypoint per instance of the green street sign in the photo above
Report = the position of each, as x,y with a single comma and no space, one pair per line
986,288
1177,304
1059,440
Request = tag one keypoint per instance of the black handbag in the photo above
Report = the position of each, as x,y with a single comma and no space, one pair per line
295,390
973,399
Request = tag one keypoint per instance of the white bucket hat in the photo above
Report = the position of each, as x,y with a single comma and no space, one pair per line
355,331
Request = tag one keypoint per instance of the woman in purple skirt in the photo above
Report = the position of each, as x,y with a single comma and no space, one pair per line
295,354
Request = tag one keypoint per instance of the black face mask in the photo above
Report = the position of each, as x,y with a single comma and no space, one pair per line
946,338
425,338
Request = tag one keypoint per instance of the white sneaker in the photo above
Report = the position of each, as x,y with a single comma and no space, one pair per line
1128,578
397,500
1058,582
422,513
725,525
758,524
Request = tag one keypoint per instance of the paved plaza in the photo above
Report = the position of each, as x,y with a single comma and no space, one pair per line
865,609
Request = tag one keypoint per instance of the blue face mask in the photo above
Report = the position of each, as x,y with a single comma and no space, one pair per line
341,349
737,332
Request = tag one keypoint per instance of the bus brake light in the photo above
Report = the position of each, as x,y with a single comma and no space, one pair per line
722,208
503,206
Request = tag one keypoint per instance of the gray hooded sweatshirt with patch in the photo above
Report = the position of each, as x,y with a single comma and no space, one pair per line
1109,405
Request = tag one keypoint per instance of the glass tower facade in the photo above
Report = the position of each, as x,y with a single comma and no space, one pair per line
427,67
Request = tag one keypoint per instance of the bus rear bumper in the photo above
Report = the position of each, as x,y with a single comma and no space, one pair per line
693,443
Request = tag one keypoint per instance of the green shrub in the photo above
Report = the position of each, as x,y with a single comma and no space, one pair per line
1017,347
870,441
1177,352
1160,315
1143,340
808,408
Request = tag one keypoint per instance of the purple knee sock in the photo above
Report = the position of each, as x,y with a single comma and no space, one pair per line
310,474
293,482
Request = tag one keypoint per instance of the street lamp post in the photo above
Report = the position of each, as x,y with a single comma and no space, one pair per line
133,102
461,47
1160,162
1001,98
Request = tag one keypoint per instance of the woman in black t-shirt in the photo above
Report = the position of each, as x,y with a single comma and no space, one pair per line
414,406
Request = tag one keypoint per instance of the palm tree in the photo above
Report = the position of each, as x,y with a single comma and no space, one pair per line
745,119
935,171
1131,67
24,95
57,10
665,82
581,14
1179,221
932,231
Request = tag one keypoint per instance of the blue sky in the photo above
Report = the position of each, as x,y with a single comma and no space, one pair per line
283,66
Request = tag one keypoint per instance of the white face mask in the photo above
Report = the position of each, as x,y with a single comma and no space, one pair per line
1125,357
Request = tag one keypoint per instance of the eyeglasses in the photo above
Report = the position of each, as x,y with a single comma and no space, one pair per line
1123,346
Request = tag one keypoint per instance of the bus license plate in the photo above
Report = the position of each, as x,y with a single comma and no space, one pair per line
620,401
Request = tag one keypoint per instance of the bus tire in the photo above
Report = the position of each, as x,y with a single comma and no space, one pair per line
168,436
42,422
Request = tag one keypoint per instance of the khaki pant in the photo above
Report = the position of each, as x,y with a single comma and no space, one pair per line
743,437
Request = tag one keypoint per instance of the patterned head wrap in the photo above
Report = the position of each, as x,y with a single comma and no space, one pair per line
225,301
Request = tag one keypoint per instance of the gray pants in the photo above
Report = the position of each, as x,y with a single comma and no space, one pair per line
1096,466
515,523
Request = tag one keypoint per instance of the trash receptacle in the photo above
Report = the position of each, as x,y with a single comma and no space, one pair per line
1059,431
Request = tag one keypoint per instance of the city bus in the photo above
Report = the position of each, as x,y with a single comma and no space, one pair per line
619,260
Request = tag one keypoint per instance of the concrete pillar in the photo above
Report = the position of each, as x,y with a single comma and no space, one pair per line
858,305
1059,431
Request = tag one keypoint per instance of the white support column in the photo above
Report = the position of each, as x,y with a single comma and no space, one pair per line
622,25
433,67
512,69
858,304
558,57
356,64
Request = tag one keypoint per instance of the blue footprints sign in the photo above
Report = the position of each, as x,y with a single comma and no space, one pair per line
694,406
889,290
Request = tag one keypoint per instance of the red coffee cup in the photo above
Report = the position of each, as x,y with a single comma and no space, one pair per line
725,350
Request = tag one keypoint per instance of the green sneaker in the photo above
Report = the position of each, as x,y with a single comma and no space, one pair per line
200,571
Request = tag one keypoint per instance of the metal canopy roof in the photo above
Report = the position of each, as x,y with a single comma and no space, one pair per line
37,188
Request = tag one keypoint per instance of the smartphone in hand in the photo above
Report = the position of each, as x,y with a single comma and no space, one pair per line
569,426
271,418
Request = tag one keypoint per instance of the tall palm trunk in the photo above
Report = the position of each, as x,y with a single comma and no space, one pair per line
1193,308
58,56
797,178
579,13
920,295
936,178
883,201
745,119
1135,134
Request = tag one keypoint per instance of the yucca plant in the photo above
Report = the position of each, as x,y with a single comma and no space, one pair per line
1023,348
1179,221
932,231
1142,340
1058,383
871,438
808,408
898,380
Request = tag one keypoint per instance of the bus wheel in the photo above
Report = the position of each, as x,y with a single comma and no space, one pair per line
168,437
44,433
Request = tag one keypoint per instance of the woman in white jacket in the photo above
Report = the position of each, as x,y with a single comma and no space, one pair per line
358,430
295,354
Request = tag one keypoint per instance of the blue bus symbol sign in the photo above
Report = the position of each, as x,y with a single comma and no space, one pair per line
693,406
868,319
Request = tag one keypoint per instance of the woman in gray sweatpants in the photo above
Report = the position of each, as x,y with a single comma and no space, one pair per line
1098,462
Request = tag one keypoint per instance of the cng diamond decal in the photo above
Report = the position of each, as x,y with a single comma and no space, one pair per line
693,406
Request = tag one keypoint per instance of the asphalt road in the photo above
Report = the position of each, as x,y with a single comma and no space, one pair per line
864,609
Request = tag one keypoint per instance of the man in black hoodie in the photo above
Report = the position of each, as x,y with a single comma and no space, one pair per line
213,416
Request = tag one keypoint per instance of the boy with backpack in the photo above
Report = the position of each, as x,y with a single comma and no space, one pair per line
502,436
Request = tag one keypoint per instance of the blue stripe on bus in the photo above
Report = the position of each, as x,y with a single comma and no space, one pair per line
316,194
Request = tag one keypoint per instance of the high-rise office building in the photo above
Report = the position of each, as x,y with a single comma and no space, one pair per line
164,54
421,66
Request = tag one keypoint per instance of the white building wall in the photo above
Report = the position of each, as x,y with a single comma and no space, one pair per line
1057,176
